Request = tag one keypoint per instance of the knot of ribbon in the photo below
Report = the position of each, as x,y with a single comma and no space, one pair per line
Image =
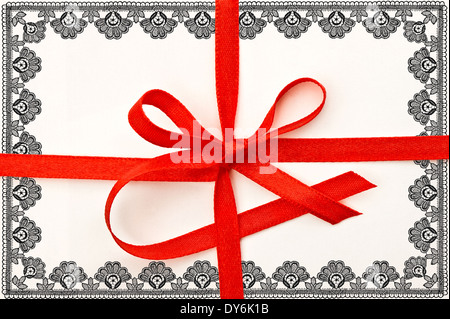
295,198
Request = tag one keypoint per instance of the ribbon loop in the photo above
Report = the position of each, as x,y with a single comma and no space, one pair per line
268,120
175,111
250,221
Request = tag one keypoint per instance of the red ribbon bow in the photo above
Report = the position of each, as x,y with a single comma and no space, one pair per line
296,198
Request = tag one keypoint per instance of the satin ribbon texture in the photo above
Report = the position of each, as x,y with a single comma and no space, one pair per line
295,197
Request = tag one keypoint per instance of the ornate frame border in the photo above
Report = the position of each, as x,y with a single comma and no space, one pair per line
429,235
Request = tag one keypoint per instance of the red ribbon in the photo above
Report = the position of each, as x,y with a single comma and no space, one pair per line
296,198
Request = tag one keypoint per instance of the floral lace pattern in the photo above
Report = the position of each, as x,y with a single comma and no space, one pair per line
158,25
68,25
159,21
112,22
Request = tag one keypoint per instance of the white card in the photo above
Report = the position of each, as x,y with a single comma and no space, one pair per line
72,72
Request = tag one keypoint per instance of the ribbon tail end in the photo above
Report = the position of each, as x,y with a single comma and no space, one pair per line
367,184
358,182
337,221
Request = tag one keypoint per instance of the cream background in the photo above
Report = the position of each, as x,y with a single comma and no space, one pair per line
88,85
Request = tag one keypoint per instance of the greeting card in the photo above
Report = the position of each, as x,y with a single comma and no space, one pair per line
373,226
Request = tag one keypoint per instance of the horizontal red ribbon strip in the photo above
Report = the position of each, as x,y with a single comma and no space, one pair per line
289,150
